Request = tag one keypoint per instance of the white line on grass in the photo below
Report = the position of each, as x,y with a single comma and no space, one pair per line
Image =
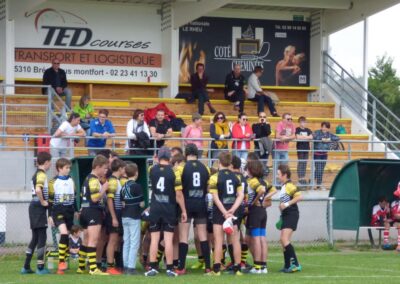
350,276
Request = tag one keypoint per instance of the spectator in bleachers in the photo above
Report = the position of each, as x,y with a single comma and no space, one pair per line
160,128
194,130
199,81
86,111
60,145
303,148
321,147
138,133
57,78
256,93
242,130
284,133
262,131
234,88
219,131
101,128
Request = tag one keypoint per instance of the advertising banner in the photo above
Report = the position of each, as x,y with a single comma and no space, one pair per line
282,48
97,42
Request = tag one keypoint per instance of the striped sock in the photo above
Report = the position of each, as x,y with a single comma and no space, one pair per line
82,257
91,253
386,236
245,252
160,252
257,265
62,247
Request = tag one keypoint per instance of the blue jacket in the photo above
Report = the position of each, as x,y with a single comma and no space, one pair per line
323,146
96,127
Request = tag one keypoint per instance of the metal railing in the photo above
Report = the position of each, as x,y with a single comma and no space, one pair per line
380,120
17,115
308,172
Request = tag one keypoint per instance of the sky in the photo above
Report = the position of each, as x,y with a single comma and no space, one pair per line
346,46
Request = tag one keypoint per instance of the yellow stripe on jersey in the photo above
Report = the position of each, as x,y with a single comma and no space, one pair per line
212,183
40,179
291,190
51,190
123,180
112,187
94,187
178,171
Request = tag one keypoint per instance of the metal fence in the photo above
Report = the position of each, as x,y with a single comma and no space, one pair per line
15,233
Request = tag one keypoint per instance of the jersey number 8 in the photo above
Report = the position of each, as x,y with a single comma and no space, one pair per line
196,179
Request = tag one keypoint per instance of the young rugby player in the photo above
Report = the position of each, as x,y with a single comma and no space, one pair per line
113,216
92,214
62,207
166,194
260,193
195,177
38,216
227,197
289,197
133,202
395,220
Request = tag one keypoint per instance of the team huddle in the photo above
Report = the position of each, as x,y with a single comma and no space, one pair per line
227,207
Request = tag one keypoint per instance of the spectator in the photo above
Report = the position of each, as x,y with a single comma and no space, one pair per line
199,82
262,131
219,131
58,144
100,128
303,148
176,151
242,130
323,139
56,77
284,133
75,241
86,112
256,93
194,130
234,91
395,220
138,133
160,128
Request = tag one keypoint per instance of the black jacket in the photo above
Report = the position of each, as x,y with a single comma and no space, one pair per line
234,84
50,78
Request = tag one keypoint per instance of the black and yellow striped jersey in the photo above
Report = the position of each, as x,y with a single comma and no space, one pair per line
90,190
39,180
287,193
226,184
114,192
257,184
195,176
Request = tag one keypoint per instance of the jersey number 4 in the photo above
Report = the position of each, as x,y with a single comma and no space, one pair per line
161,184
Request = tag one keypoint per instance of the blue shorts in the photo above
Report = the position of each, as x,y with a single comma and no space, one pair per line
258,232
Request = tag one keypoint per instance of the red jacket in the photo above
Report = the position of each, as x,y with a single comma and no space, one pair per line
150,113
237,133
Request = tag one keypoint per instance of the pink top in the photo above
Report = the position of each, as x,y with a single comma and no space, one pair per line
284,129
193,132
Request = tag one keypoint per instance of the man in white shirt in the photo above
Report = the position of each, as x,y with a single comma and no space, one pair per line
71,127
256,94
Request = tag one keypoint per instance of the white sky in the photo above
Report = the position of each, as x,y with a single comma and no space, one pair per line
346,46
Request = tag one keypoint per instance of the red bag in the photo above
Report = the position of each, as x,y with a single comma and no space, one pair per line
150,113
42,143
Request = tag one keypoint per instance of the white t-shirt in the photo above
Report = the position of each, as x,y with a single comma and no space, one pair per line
253,86
67,128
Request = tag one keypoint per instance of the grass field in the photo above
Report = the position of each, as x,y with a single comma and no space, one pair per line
319,266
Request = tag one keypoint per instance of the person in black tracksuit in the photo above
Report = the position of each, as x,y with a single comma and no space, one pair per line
234,88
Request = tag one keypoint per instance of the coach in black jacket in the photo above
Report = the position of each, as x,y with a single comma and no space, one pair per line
56,77
234,88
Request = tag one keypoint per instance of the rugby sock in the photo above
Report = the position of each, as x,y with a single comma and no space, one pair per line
175,263
145,258
386,236
183,250
109,265
200,258
236,267
153,265
286,257
119,263
257,265
292,255
62,247
230,251
205,250
245,252
29,254
82,257
217,267
91,253
223,253
160,252
398,237
264,264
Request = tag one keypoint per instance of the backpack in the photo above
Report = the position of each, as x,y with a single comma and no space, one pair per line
340,129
